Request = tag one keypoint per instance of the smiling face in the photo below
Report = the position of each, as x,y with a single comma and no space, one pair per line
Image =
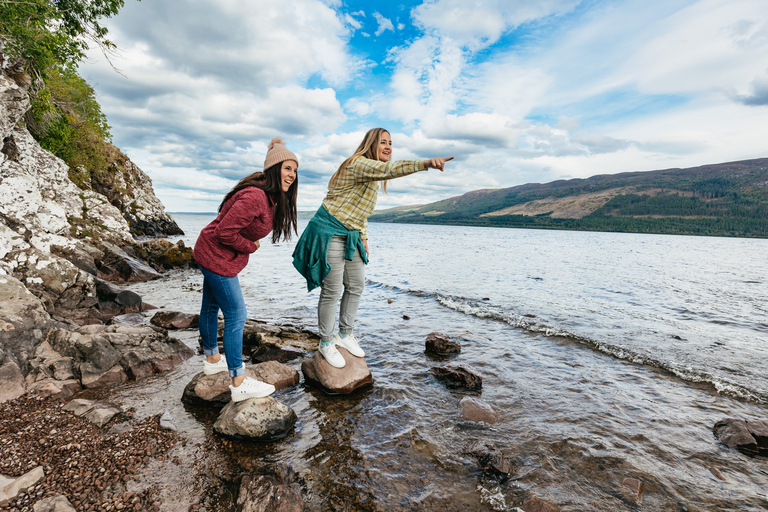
385,147
288,174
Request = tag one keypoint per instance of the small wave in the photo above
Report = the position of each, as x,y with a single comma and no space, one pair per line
483,309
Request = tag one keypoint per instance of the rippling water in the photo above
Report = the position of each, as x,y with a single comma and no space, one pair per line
608,356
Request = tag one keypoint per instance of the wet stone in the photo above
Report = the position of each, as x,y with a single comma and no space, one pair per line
458,377
273,488
490,459
441,344
734,433
262,419
475,409
633,489
759,430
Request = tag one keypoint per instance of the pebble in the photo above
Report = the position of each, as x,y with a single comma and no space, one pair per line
36,431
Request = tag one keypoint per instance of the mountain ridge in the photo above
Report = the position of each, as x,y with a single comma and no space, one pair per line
725,199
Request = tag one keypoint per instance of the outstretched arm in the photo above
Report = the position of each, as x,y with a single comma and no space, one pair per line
436,163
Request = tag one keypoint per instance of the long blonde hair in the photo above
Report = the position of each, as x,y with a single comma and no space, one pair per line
369,148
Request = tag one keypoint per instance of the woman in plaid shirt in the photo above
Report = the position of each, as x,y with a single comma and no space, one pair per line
333,249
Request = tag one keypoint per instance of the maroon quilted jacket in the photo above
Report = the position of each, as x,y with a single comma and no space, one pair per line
225,244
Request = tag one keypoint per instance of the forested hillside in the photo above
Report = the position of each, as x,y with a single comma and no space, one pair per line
729,199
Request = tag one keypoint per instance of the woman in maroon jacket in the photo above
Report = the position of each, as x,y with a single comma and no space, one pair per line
260,203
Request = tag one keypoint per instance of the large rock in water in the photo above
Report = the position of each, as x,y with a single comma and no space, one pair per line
746,436
458,377
354,375
213,390
262,419
441,344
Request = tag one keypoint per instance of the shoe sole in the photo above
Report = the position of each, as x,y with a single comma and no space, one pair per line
213,371
352,353
251,395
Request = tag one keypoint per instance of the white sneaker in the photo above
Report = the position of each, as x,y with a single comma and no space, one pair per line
251,388
213,368
329,352
349,343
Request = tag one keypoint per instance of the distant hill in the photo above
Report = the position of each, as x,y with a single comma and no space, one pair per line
729,199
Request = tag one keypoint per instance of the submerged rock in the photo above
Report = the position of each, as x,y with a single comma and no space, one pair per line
353,376
273,488
633,489
474,409
262,419
458,377
490,459
441,344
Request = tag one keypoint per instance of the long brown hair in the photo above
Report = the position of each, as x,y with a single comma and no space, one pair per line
284,218
369,148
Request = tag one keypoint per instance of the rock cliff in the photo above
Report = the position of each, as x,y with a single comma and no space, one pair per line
59,243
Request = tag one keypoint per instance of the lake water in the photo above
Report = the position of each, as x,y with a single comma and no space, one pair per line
608,356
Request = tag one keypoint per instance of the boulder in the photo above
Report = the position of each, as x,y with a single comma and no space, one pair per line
474,409
175,320
262,419
441,344
213,390
273,488
353,376
118,265
734,433
11,382
12,487
490,459
163,255
58,503
23,322
458,377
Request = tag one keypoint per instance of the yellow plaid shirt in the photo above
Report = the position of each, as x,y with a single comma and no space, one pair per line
353,197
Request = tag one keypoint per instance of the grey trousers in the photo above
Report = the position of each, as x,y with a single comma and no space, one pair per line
349,275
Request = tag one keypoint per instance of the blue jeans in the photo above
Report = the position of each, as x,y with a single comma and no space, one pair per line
220,292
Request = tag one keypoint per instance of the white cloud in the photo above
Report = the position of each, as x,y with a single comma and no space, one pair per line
384,24
480,23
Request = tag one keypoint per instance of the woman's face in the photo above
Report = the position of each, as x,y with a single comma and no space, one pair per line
288,174
385,147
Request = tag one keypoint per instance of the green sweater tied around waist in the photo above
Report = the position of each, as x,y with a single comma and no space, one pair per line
310,257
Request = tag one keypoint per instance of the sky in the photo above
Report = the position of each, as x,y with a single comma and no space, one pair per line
518,91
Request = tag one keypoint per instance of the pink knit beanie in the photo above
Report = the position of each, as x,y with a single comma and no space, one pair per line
277,152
